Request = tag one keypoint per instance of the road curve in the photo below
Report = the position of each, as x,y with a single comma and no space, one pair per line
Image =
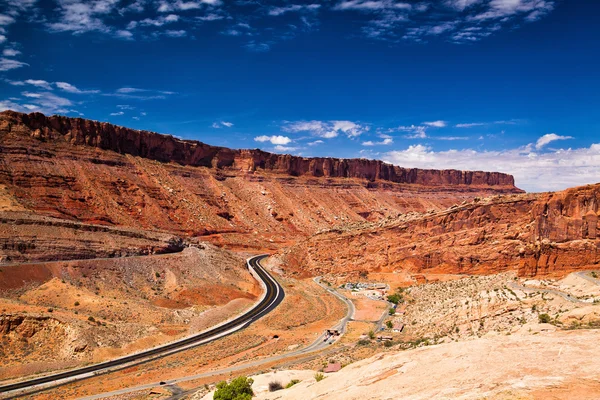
318,346
271,298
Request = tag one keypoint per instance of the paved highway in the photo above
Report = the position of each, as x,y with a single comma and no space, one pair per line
319,345
271,298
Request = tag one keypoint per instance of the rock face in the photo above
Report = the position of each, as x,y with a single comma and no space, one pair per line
551,233
98,173
164,148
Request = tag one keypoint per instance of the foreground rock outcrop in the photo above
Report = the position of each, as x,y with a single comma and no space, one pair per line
551,233
549,365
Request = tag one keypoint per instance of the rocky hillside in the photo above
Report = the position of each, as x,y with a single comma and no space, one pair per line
551,233
98,173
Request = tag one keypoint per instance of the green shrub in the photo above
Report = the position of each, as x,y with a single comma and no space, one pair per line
389,324
544,318
292,383
364,342
371,335
395,298
319,376
239,389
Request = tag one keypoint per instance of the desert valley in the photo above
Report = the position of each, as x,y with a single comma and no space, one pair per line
115,241
299,199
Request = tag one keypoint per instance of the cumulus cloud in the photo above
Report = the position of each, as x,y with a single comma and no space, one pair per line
549,138
327,129
278,140
533,170
117,113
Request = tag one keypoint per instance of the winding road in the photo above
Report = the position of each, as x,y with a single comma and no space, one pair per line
271,298
321,344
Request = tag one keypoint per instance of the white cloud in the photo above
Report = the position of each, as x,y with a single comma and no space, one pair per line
370,5
117,113
67,87
160,21
127,90
44,102
533,171
175,33
385,141
461,5
211,17
6,20
507,8
80,16
278,140
221,124
139,94
436,124
281,148
275,11
416,132
124,34
34,82
315,143
6,64
548,138
125,107
470,125
327,129
10,52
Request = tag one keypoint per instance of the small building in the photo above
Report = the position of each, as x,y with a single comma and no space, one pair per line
332,367
384,338
398,327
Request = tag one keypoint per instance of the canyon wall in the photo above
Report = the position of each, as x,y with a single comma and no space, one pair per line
544,234
165,148
97,173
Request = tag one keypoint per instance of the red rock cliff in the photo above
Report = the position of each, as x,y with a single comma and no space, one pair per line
166,148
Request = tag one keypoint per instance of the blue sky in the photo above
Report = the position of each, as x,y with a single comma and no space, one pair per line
501,85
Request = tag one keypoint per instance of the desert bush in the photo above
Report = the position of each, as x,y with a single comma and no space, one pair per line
275,386
544,318
319,376
292,383
389,324
239,389
371,335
